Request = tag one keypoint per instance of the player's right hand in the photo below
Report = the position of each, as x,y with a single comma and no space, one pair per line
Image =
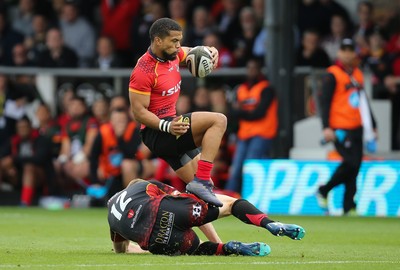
178,127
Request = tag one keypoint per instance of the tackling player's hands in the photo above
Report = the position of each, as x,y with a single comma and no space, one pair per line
178,127
214,55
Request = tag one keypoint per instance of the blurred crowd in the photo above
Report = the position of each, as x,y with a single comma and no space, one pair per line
54,152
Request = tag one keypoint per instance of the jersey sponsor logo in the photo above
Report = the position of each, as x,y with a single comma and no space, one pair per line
172,90
166,224
196,210
131,213
136,216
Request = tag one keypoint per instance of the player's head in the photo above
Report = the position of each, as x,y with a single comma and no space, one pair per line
166,35
346,53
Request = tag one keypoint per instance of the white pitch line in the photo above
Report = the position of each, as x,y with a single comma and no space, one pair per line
194,263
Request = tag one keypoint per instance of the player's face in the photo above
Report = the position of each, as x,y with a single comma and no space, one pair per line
170,45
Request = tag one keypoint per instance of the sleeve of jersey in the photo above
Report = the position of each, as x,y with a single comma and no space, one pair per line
141,81
181,55
165,188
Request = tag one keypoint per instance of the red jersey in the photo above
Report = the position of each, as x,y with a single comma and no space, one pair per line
161,80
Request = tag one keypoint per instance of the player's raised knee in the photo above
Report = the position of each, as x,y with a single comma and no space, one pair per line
221,120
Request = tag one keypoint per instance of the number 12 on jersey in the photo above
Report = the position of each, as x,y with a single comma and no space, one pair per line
121,203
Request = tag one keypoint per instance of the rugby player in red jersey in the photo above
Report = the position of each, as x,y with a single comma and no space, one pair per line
154,88
160,219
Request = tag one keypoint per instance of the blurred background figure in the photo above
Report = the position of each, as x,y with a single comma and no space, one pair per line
100,110
198,29
365,27
113,161
117,16
256,111
9,38
36,42
201,99
78,34
56,53
106,57
225,56
310,53
77,138
28,161
21,17
339,31
20,57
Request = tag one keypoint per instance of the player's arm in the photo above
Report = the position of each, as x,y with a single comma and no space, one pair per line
210,232
139,105
120,244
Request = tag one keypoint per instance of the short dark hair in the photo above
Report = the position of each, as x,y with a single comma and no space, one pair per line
162,27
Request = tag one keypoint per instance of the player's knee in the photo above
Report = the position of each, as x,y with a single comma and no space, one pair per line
221,121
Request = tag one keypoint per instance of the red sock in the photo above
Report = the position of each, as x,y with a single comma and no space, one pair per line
27,195
220,250
204,170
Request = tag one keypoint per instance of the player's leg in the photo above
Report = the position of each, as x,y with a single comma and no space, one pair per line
232,248
207,131
249,214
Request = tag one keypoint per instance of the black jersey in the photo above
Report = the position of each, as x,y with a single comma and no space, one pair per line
132,211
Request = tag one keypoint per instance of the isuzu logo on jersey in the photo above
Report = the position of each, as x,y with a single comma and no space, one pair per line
172,90
166,224
196,210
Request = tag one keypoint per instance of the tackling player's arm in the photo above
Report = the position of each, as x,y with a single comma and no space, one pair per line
120,244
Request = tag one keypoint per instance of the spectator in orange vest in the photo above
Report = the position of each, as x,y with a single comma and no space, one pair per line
256,110
113,161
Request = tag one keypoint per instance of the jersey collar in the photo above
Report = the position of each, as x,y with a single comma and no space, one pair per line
159,59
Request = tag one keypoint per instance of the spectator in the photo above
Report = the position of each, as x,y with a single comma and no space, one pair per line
225,57
36,43
228,22
65,102
100,110
310,53
76,142
392,84
330,8
378,61
119,102
310,15
331,43
366,26
49,128
201,25
106,57
256,110
78,34
22,16
260,42
112,159
20,56
29,159
56,53
243,49
117,21
141,26
8,39
201,100
177,11
183,105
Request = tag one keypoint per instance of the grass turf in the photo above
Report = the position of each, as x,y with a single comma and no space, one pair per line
79,239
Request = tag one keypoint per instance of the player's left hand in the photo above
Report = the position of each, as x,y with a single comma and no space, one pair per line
214,55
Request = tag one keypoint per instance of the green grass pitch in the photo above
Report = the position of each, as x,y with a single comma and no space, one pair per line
79,239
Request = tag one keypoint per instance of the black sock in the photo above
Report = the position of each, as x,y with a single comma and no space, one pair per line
209,248
249,214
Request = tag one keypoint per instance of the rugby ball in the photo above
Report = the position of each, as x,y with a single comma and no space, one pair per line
199,61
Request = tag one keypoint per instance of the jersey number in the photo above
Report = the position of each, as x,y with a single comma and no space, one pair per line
122,203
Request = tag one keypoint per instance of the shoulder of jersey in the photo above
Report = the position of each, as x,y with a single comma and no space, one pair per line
146,64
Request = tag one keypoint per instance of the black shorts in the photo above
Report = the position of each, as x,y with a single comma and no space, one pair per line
175,151
172,233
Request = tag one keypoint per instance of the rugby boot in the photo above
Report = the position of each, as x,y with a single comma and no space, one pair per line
290,230
204,190
247,249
